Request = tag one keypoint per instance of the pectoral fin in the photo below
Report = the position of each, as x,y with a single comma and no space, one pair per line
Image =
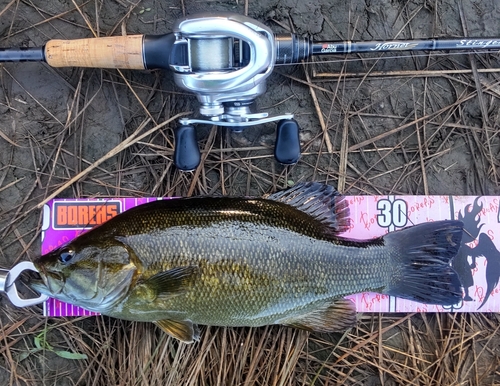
338,316
184,330
173,281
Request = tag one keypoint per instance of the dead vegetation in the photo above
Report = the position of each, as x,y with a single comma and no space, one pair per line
412,124
412,349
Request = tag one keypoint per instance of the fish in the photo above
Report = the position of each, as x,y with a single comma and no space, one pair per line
243,261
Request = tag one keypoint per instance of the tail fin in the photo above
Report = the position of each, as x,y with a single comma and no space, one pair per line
422,256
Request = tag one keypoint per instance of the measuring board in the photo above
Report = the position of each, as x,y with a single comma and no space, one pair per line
477,263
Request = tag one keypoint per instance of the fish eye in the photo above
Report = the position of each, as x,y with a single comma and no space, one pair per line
66,256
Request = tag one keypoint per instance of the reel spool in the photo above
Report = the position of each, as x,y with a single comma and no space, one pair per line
219,59
225,59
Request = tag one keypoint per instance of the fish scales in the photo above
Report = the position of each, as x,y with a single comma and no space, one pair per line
255,261
247,262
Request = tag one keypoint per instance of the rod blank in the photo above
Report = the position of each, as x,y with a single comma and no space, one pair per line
32,54
348,47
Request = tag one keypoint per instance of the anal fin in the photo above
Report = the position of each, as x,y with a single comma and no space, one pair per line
184,330
337,316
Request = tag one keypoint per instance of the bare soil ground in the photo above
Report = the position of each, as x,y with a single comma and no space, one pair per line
371,124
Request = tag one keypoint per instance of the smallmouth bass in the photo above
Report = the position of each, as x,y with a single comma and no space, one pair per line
225,261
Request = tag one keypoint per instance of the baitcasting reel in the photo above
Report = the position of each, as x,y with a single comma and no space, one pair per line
224,59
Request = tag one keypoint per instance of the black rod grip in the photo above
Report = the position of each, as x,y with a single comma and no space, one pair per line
158,50
186,152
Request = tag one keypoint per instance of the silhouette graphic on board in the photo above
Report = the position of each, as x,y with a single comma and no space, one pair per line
484,247
471,231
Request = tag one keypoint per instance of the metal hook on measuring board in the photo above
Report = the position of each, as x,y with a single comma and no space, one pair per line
8,285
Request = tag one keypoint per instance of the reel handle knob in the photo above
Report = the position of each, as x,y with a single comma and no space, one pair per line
186,152
287,146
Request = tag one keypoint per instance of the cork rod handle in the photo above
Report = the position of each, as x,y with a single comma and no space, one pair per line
107,52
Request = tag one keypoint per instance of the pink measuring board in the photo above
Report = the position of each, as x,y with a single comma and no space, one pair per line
477,263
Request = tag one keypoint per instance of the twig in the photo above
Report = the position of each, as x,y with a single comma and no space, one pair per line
417,130
402,73
134,138
329,145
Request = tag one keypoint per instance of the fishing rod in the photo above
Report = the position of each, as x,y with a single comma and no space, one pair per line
224,59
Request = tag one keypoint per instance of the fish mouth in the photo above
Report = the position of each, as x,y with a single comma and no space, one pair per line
37,283
39,286
46,282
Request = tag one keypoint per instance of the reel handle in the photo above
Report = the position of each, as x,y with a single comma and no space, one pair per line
186,152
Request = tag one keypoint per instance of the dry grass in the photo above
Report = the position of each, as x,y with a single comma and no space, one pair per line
425,124
413,349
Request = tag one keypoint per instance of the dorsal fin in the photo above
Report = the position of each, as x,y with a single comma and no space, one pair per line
320,201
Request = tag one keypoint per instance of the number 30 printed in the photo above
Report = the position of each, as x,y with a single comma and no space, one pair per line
392,213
